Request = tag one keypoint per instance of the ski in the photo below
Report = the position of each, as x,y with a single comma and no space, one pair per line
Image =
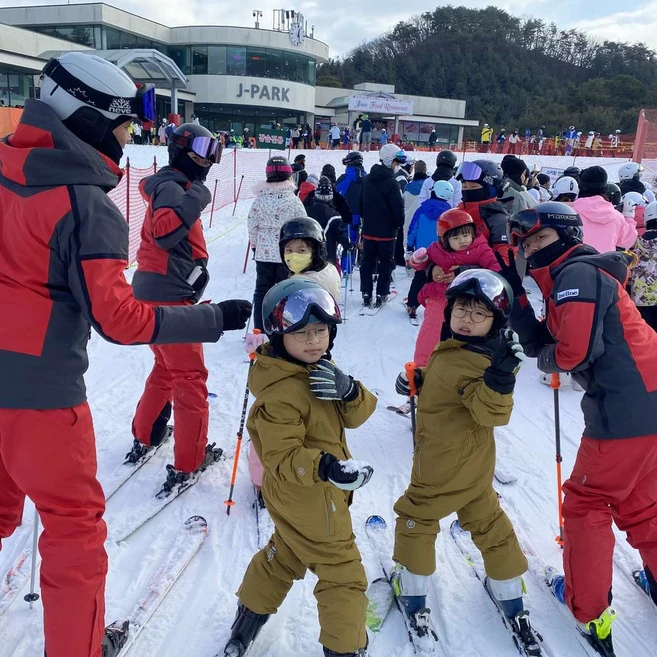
505,478
264,523
413,319
404,410
187,543
370,311
128,470
153,505
527,641
426,645
17,575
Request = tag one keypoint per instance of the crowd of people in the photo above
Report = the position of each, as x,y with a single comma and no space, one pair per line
471,233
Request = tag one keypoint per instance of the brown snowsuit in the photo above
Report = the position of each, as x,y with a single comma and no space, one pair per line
290,428
454,463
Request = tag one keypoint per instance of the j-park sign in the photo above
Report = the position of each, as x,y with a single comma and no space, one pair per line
264,92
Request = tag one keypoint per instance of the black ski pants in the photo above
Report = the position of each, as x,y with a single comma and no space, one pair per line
385,253
400,260
417,284
267,275
649,314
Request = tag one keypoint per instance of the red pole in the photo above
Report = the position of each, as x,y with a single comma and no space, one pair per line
127,191
238,194
214,196
555,383
234,173
246,257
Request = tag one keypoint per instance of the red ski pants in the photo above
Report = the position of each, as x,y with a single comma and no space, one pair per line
179,376
612,480
50,456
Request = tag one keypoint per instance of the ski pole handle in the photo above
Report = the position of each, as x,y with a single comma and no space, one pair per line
555,382
252,355
410,375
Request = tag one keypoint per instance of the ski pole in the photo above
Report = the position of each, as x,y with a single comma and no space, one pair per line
410,375
346,284
555,383
229,502
246,257
32,597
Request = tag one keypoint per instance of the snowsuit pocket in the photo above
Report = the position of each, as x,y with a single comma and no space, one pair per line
330,512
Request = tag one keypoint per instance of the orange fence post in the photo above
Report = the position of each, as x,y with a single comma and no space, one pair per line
214,196
127,191
238,195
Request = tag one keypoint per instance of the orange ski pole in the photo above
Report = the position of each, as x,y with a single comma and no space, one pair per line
555,383
240,432
410,375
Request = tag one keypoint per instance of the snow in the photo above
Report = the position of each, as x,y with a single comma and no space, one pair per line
352,466
195,618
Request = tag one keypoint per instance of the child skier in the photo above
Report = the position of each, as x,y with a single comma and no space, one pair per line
459,246
465,391
644,275
303,403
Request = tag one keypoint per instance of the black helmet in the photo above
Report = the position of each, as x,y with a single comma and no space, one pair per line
486,286
614,193
278,169
446,159
304,228
192,137
552,214
487,173
573,172
354,158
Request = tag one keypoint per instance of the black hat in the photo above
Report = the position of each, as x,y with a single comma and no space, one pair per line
328,170
513,166
324,191
300,158
593,181
543,178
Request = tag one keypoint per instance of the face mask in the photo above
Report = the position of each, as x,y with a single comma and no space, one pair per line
192,171
298,262
474,195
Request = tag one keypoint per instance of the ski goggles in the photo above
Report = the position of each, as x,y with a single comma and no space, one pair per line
469,171
528,222
300,308
483,284
140,106
205,147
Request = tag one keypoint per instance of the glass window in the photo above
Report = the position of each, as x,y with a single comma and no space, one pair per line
128,41
236,60
312,70
217,60
199,60
4,90
275,64
256,62
113,39
182,56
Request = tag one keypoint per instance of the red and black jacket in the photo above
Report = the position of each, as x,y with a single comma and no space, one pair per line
593,330
63,252
172,257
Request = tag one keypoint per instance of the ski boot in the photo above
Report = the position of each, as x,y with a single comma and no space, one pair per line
598,632
380,300
412,312
556,583
179,479
116,636
507,595
361,652
245,629
367,300
646,581
139,450
411,591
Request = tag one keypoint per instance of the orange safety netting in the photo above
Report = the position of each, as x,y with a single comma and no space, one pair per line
9,118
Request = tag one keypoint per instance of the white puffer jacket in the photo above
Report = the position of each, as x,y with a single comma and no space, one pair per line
273,206
328,278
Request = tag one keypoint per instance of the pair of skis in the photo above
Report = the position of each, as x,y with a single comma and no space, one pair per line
371,310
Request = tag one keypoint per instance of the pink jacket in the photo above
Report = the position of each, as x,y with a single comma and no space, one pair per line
604,227
479,254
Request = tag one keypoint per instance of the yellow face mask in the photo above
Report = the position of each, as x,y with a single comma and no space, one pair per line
298,262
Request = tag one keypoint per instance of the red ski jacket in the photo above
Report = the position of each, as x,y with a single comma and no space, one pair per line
63,252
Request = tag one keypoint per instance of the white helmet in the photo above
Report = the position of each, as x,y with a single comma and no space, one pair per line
650,213
485,125
392,153
629,171
631,200
77,80
565,185
443,190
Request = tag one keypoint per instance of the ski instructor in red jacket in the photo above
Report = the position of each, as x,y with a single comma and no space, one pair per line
593,330
63,252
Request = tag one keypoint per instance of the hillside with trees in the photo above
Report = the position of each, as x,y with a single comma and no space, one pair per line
513,72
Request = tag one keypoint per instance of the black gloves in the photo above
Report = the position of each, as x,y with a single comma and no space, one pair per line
402,385
345,475
500,376
329,383
235,313
510,273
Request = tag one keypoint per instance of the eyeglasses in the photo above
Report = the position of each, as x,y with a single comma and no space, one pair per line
305,335
477,316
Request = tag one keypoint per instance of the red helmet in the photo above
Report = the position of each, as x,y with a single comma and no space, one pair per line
453,219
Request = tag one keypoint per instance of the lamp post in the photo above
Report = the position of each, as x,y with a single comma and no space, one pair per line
257,14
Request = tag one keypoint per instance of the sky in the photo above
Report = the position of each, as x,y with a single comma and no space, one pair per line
343,24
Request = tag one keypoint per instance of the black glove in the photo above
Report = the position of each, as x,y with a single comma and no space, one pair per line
236,313
500,376
510,273
329,383
198,191
346,475
402,385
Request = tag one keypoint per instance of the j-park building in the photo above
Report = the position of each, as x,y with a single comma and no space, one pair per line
230,77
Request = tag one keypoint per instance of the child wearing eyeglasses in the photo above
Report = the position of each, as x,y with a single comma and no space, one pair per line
303,404
464,392
459,247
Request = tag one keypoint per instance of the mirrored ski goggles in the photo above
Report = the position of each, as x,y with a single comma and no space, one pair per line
523,224
469,171
482,283
207,147
144,102
300,308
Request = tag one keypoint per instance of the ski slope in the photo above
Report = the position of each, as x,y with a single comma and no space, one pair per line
195,618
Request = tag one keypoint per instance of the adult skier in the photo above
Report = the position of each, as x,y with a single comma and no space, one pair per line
514,194
593,330
445,170
62,260
629,176
486,138
350,186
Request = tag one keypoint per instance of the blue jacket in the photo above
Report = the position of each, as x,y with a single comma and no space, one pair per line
422,231
350,185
